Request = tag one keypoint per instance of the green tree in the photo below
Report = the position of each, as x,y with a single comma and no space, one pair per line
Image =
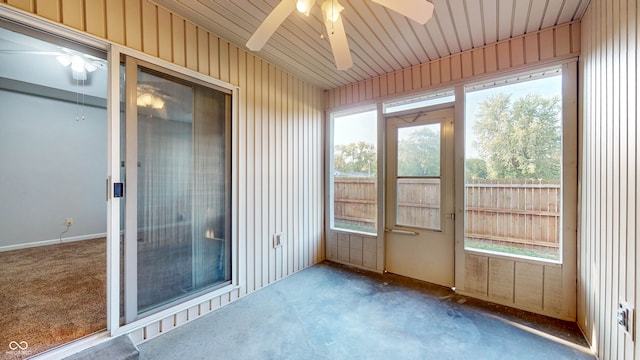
520,139
355,157
475,169
419,153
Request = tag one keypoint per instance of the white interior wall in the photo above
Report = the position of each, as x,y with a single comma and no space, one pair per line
53,168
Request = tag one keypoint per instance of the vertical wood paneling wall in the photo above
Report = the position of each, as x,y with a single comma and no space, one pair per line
609,218
534,48
278,139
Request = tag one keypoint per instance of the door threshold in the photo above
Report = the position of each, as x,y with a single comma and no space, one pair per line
73,347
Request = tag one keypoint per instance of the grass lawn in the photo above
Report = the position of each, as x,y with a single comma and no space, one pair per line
542,253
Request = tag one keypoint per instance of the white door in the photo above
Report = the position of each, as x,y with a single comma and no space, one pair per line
419,223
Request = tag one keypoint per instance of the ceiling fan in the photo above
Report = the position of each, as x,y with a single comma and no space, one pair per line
78,62
417,10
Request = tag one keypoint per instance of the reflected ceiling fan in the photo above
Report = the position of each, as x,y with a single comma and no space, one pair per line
78,62
417,10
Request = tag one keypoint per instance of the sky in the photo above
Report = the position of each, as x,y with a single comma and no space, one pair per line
362,126
354,128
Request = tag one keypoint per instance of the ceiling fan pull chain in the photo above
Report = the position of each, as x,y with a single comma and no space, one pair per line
82,109
333,15
77,100
79,103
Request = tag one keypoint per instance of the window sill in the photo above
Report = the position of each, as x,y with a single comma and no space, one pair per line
522,258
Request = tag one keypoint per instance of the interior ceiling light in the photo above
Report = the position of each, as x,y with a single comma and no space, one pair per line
419,11
80,63
149,100
331,10
304,6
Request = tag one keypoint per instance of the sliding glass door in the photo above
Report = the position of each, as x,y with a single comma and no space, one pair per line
177,166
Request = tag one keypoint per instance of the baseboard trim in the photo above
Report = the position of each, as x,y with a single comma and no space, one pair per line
516,306
51,242
361,267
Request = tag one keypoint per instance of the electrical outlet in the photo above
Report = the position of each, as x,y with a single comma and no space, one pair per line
624,316
68,222
277,240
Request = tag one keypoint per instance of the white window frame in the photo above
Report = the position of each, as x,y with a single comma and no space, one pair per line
329,211
568,122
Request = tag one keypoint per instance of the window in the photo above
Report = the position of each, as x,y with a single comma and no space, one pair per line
513,166
354,172
418,176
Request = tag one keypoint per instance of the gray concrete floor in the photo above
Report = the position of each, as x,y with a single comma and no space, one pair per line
334,312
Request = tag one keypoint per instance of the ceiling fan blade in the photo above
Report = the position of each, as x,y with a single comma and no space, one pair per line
419,11
270,24
339,44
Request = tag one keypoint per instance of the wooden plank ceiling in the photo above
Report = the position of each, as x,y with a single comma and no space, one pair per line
380,40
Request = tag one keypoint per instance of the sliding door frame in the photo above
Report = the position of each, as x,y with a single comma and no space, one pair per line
113,204
55,30
136,58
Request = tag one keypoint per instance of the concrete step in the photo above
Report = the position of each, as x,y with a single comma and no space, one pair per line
119,348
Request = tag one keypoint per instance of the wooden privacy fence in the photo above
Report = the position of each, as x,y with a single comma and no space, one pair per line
525,212
515,212
419,203
355,200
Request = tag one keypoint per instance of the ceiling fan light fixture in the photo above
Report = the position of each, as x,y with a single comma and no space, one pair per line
77,63
65,60
149,101
418,10
90,66
158,104
304,6
331,10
